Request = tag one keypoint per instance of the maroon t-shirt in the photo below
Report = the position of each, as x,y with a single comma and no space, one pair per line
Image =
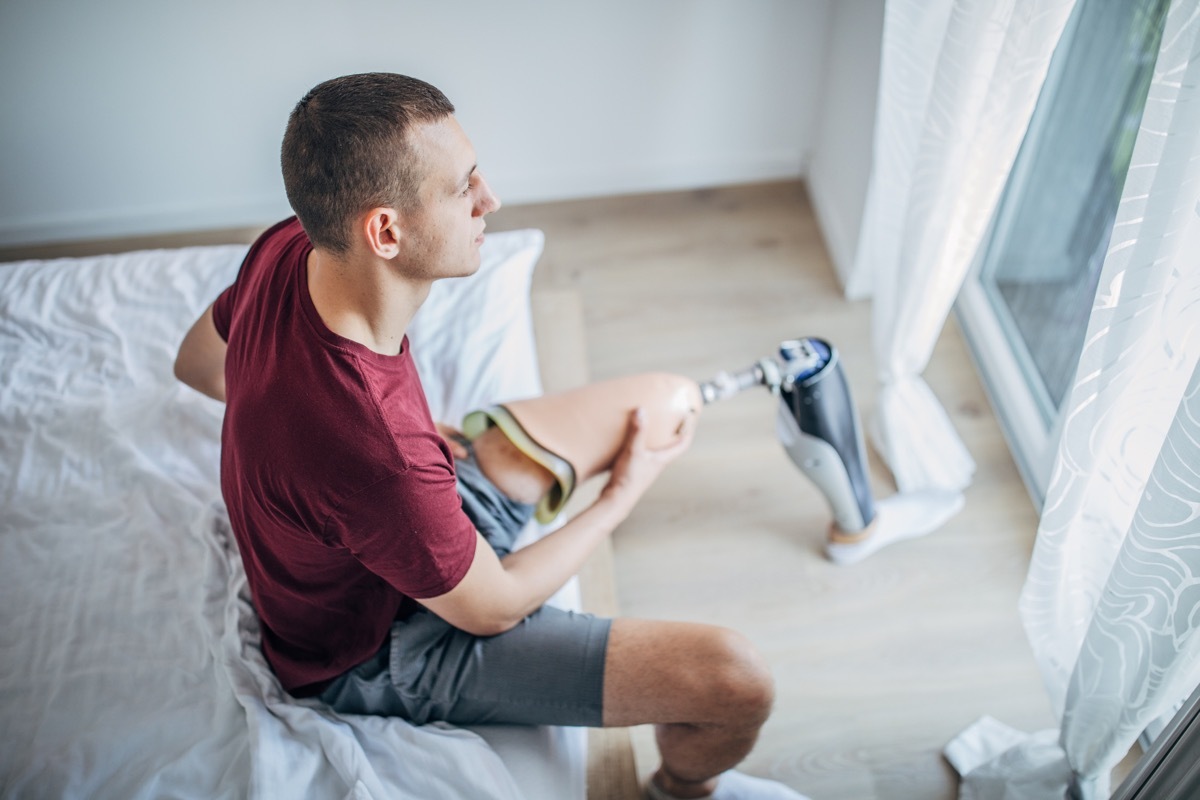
340,490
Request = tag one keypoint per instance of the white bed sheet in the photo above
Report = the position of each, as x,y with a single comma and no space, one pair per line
129,657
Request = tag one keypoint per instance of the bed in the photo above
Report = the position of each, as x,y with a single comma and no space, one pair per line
131,665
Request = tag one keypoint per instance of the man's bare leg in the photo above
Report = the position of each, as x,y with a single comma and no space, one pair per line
705,688
512,472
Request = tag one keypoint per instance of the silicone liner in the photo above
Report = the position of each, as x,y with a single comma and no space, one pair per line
476,422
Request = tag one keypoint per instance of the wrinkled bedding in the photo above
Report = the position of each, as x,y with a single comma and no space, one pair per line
129,657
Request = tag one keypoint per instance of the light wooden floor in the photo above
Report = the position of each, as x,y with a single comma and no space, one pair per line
879,665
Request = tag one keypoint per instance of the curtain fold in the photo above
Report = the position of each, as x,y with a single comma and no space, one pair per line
1141,653
1112,599
958,83
1110,605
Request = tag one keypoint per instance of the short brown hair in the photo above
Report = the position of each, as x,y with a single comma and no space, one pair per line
346,150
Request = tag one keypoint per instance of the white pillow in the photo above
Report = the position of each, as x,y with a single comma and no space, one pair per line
472,340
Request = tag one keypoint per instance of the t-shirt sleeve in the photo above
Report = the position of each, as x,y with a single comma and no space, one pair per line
265,251
222,312
410,530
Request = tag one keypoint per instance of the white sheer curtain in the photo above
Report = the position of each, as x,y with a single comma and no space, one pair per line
1112,599
958,83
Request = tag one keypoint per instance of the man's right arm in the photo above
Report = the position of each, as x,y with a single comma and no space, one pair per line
201,360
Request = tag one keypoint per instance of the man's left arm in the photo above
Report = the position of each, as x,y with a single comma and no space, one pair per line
201,360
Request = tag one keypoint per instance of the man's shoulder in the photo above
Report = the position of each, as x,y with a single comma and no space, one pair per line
276,241
284,230
284,243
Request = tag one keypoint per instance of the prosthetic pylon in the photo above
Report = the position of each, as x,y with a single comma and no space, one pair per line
816,422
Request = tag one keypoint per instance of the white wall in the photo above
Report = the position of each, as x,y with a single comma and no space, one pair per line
841,158
141,116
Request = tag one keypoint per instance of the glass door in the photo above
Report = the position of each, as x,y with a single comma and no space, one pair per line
1025,306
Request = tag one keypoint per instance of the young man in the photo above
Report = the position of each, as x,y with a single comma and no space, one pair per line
378,552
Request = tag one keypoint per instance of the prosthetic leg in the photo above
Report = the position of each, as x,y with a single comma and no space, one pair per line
817,425
576,434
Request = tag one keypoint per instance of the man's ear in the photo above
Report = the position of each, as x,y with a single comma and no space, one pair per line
381,229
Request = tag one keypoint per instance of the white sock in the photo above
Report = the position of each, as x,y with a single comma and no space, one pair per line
734,785
899,517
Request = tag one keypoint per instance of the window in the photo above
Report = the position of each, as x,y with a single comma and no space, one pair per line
1025,306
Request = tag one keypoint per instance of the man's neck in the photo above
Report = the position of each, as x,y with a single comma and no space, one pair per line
363,300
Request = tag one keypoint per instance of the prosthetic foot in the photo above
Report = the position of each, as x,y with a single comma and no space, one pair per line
818,426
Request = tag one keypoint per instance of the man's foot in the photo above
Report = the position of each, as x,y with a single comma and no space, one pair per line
734,785
899,517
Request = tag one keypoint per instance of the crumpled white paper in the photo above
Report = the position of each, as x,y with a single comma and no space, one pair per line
998,762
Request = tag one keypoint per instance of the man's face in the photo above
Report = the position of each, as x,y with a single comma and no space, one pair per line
443,233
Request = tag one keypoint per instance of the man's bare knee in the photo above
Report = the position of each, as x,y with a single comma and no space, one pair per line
739,679
665,672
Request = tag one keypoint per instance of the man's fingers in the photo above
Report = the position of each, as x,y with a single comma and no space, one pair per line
450,434
635,431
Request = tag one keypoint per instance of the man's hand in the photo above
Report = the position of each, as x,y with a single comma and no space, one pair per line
494,596
637,466
449,433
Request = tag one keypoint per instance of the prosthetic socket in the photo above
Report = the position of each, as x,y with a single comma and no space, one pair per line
816,422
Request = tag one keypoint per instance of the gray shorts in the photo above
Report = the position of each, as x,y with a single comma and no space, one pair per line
549,670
